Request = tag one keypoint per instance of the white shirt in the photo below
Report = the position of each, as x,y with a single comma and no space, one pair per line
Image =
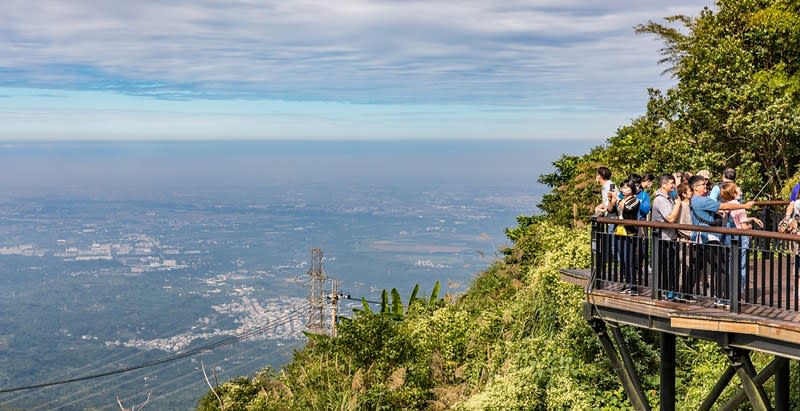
605,191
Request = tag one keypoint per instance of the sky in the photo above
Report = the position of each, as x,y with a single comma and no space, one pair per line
346,69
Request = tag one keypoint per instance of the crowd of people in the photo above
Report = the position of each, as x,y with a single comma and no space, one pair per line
682,198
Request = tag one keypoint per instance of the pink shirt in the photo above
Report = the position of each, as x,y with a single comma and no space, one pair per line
737,215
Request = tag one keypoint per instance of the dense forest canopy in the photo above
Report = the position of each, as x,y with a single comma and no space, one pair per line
517,340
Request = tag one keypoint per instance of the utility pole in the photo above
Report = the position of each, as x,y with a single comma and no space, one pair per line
316,296
334,296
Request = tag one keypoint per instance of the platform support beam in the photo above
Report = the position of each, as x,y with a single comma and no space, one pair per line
740,361
627,376
718,388
667,379
782,386
740,397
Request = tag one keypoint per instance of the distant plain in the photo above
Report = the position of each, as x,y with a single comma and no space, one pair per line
115,254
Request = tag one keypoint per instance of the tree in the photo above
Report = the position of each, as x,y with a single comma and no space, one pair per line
738,84
736,104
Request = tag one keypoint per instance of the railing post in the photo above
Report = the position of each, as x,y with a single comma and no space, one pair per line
733,276
655,262
595,255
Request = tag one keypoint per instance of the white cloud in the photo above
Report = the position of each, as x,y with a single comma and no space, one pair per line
543,52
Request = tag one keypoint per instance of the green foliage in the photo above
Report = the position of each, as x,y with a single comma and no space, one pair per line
529,349
572,192
435,293
366,306
397,305
737,82
413,294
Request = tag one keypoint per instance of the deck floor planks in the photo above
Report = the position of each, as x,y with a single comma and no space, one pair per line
767,322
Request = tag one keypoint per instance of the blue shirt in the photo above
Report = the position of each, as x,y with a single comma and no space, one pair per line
715,191
644,204
705,208
795,192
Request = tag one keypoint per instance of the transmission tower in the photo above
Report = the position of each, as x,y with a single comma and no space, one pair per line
316,296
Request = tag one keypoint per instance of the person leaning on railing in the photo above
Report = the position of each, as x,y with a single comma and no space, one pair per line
730,193
603,178
703,210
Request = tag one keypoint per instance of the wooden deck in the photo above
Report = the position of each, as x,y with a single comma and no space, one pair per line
771,330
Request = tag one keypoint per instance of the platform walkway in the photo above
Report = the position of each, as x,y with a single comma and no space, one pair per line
744,297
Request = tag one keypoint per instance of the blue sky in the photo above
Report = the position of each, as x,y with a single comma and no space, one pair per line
347,69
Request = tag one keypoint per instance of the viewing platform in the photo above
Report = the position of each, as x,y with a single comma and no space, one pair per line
741,294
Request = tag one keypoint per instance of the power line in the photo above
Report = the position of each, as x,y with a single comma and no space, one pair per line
204,348
198,350
283,321
229,371
107,362
347,297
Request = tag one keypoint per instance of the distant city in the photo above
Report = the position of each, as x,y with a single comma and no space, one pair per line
108,277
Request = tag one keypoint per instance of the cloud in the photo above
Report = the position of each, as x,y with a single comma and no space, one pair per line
543,52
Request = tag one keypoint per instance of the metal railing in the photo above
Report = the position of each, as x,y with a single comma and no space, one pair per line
745,267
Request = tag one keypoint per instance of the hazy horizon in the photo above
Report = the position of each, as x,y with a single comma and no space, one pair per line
132,169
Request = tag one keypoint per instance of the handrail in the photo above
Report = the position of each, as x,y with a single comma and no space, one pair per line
757,268
768,203
721,230
708,229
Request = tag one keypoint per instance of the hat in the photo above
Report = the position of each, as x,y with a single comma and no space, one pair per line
704,173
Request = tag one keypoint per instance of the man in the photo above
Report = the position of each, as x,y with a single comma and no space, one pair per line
665,209
728,176
603,178
703,209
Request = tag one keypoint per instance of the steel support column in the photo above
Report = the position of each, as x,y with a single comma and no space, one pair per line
716,391
628,363
667,379
740,397
740,360
637,399
782,386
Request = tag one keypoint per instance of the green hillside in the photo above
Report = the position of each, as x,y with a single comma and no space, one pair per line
516,340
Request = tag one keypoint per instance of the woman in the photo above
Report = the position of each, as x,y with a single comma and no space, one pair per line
625,235
731,193
685,194
687,278
678,177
